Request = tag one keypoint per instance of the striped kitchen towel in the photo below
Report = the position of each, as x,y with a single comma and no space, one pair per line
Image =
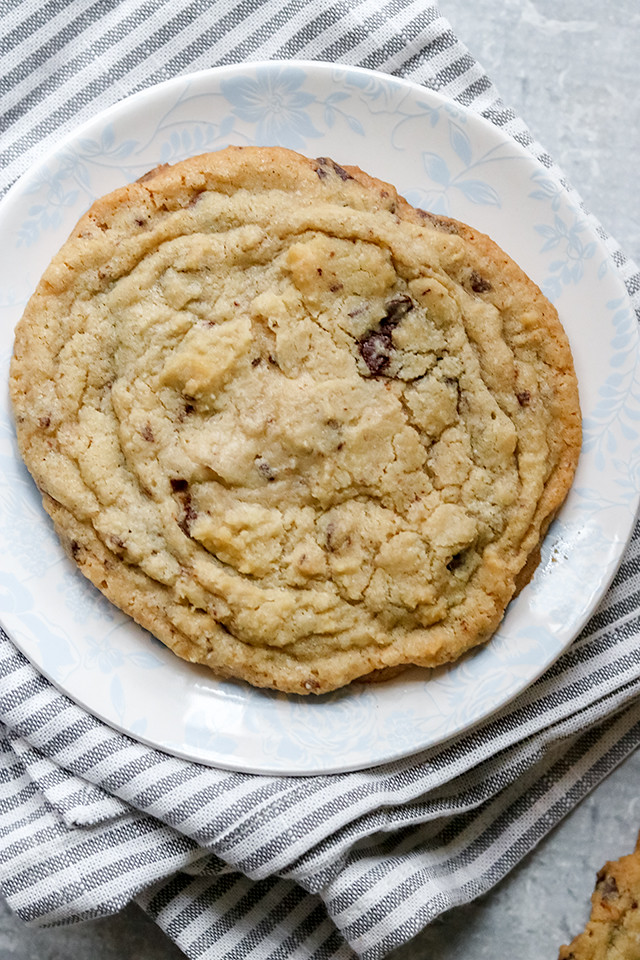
236,865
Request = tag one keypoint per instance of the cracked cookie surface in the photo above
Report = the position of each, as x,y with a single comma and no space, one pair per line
298,429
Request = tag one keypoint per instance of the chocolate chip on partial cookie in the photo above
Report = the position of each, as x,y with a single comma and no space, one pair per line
479,284
443,224
188,516
265,469
397,308
377,346
607,886
178,484
375,350
326,165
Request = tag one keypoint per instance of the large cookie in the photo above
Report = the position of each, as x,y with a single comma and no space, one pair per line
298,429
613,931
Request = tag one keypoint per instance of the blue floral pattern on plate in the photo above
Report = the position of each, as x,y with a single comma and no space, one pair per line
439,156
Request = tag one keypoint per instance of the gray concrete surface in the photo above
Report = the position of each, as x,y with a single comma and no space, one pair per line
571,69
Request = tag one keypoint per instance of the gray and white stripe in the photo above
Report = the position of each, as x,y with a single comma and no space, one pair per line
237,865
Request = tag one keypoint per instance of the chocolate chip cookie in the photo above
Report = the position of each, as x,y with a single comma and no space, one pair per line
613,931
298,429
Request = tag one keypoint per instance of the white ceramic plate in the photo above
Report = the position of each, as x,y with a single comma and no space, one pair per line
442,158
